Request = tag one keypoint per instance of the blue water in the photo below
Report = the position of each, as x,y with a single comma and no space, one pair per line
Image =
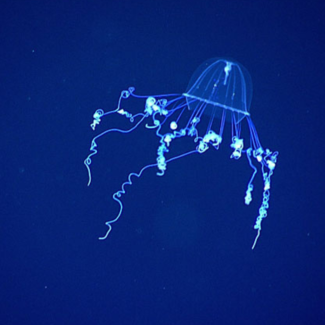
181,252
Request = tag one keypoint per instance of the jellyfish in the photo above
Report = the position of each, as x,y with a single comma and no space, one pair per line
219,94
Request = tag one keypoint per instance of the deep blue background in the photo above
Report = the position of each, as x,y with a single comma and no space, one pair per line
180,253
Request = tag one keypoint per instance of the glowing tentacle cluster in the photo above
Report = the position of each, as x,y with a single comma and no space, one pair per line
167,112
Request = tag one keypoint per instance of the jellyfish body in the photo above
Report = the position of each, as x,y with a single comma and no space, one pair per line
219,92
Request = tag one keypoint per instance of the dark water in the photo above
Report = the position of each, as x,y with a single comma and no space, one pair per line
181,252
